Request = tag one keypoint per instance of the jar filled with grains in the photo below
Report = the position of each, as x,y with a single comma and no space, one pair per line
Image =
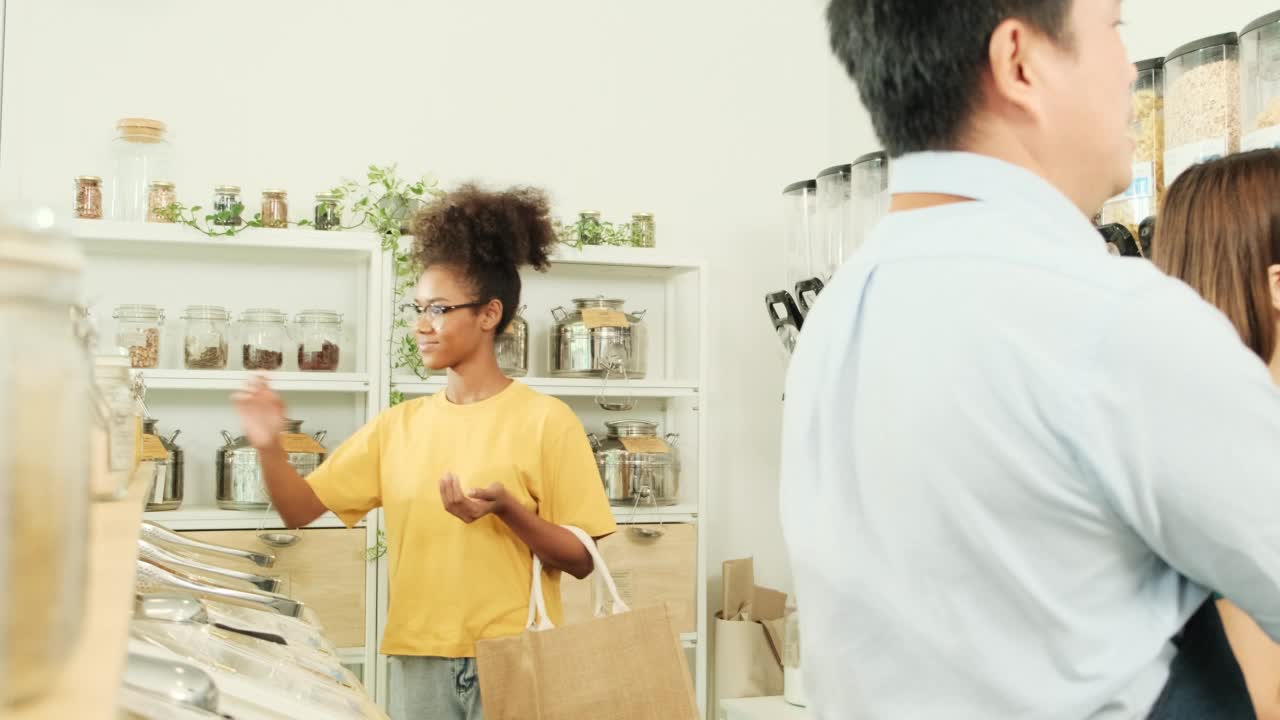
138,333
89,197
319,334
263,337
1260,74
1201,103
225,200
275,208
161,196
643,230
204,341
327,214
1142,198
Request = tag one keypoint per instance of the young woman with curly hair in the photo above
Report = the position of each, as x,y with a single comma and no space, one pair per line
473,480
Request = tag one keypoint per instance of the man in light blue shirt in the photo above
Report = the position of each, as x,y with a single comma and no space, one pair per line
1014,466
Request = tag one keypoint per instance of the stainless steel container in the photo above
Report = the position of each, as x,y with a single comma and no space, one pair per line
512,347
239,476
45,372
598,339
636,465
166,484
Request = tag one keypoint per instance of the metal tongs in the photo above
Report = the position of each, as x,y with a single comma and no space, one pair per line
152,577
156,533
176,561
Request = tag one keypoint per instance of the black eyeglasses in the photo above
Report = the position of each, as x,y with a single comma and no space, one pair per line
435,312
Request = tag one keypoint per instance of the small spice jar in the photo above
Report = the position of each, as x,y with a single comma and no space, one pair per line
138,332
275,208
643,230
204,342
327,215
160,195
319,334
225,200
263,336
89,197
590,231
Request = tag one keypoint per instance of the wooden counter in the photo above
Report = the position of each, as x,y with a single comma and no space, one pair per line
90,681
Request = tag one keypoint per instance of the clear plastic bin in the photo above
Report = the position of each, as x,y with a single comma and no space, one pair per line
800,210
1201,103
835,223
1260,82
870,198
1141,199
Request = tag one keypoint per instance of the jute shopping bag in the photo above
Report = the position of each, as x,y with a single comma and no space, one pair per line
627,665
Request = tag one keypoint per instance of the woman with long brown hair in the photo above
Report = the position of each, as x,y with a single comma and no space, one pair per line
1219,231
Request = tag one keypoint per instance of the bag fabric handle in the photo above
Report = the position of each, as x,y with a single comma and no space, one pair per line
538,617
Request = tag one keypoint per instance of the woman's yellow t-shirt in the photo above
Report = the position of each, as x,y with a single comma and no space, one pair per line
451,583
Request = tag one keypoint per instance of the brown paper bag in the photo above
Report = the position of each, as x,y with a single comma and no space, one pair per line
625,666
748,638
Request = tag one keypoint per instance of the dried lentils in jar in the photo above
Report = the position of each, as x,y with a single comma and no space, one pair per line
275,208
159,197
138,332
89,197
204,342
319,335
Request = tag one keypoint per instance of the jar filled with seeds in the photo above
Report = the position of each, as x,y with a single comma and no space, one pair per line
225,200
1201,103
1142,198
328,216
89,197
643,230
138,333
275,208
319,334
204,341
1260,75
263,337
160,196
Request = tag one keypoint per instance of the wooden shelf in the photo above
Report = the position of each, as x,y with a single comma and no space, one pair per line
213,518
164,379
90,679
144,240
566,387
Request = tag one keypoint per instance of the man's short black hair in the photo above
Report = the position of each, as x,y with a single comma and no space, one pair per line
917,63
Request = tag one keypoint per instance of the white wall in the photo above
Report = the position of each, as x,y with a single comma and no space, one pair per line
697,111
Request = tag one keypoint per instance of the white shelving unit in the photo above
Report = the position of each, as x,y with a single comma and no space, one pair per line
173,266
290,269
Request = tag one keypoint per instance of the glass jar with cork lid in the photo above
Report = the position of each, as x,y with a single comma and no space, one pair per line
142,154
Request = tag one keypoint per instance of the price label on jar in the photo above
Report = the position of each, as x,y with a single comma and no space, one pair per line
604,317
653,445
1180,158
1264,139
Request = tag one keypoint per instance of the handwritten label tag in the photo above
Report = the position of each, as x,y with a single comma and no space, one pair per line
653,445
153,449
604,317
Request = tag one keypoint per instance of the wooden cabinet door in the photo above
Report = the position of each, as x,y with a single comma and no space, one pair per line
648,572
325,570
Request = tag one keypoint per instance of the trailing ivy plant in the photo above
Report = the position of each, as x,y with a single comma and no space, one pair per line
580,234
218,224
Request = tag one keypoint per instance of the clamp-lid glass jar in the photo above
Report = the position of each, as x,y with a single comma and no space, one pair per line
204,342
1201,103
263,336
1260,76
138,333
319,334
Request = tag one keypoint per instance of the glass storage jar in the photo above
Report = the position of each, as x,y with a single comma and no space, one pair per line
89,197
263,337
870,198
45,406
644,231
138,333
328,216
225,200
1201,103
160,196
804,251
1141,199
833,219
204,340
319,335
116,432
142,155
1260,76
511,346
275,208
